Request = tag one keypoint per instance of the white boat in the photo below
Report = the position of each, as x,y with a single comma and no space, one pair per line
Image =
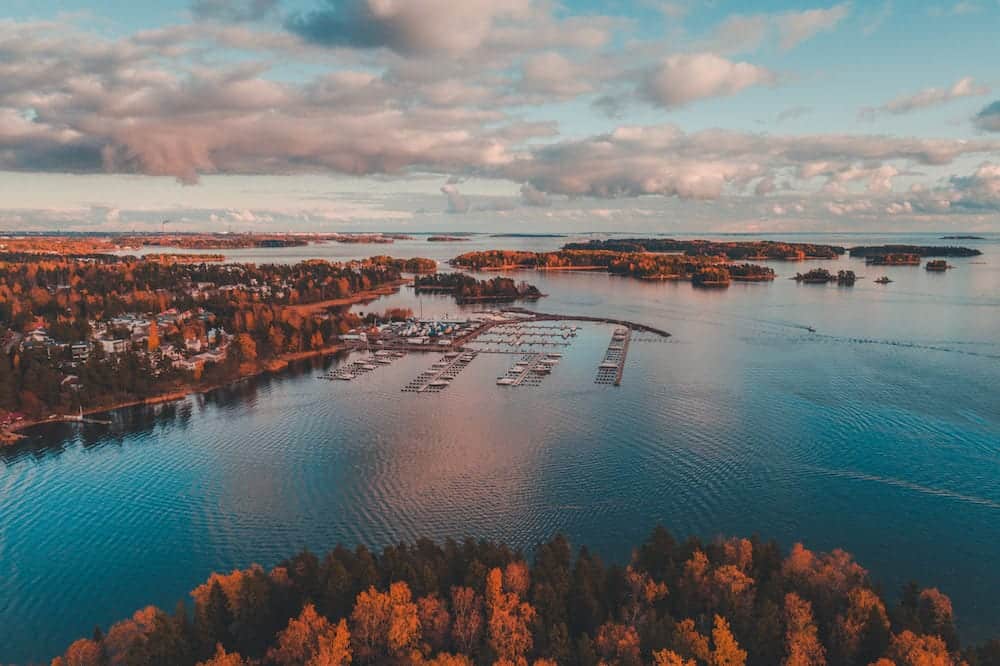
368,366
346,376
439,383
609,365
505,381
383,360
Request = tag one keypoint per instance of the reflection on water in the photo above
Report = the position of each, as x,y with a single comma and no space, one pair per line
879,433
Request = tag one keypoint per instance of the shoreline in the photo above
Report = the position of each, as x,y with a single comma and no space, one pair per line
13,434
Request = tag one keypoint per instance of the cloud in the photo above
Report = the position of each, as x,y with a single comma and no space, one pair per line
234,11
554,75
457,203
929,97
532,196
796,27
405,26
988,119
793,112
683,78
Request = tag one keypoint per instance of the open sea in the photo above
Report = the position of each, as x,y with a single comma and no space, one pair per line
879,433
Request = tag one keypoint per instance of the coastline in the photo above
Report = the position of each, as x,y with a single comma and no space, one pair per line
13,434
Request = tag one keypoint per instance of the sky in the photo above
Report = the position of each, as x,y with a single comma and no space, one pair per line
500,115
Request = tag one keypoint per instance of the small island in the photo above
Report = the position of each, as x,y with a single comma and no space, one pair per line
735,250
467,289
919,250
411,265
963,238
938,266
815,276
711,277
446,239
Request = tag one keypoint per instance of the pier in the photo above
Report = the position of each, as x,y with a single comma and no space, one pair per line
530,370
363,366
440,375
612,368
547,316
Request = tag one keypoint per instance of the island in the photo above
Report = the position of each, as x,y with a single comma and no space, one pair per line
938,265
737,250
676,602
815,276
446,239
919,250
467,289
640,265
963,238
411,265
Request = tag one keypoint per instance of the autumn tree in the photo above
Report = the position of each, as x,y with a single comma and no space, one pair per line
801,637
509,620
467,626
435,622
725,650
910,649
670,658
618,644
223,658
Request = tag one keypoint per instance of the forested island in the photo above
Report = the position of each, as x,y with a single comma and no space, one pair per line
736,250
963,238
728,602
823,276
919,250
642,265
90,333
411,265
467,289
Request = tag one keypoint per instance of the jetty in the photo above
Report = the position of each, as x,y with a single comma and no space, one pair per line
530,370
548,316
612,367
440,375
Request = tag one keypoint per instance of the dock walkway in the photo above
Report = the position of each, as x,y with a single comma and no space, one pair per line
440,375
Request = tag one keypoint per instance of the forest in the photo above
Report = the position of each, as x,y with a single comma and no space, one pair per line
468,289
726,602
733,250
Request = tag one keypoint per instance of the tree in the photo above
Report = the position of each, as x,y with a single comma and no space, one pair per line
689,642
618,644
936,615
467,627
299,642
223,658
909,649
726,650
435,622
83,652
670,658
801,639
509,620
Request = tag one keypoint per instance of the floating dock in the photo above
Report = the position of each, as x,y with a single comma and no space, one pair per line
363,366
612,368
440,375
530,370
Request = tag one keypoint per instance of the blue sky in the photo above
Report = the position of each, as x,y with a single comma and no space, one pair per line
321,114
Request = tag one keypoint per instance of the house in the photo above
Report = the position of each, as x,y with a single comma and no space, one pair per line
81,351
114,346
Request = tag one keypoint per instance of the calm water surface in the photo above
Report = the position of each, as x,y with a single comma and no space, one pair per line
879,433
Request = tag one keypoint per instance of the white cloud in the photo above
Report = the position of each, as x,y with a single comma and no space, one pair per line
683,78
928,97
796,27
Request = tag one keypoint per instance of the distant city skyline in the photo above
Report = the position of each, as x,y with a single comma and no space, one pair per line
501,115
